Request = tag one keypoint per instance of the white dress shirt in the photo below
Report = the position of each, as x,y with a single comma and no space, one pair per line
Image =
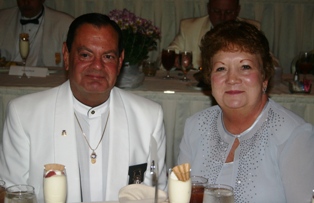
93,122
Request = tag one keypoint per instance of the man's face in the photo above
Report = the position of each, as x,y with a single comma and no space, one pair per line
93,63
30,8
220,11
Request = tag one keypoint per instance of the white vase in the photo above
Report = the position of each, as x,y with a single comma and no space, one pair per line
130,76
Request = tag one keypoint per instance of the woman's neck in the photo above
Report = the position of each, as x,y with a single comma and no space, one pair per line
237,121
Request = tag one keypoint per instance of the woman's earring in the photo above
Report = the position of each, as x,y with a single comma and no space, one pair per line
264,90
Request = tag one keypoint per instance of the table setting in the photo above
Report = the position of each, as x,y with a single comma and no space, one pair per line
182,188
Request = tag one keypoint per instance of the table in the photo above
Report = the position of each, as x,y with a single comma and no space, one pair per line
181,101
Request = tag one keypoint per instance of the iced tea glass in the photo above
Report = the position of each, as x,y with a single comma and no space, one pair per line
2,191
198,186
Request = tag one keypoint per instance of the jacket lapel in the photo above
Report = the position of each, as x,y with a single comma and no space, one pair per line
205,28
65,141
119,151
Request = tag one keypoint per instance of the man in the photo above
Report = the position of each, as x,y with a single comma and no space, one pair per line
47,29
192,30
106,137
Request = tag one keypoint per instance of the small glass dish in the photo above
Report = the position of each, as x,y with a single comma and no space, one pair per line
299,87
149,68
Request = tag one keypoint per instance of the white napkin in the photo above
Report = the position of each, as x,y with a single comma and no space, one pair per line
140,193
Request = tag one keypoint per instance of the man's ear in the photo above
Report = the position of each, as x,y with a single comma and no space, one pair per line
65,53
121,59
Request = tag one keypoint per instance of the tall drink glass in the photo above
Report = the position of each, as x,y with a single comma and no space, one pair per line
168,58
178,191
218,193
185,63
24,46
55,183
198,186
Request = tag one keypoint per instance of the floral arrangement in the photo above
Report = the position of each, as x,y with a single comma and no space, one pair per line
139,35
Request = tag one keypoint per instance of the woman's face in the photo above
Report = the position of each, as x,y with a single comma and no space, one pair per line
236,79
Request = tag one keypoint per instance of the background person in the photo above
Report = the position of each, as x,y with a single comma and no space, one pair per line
47,29
192,30
264,151
50,126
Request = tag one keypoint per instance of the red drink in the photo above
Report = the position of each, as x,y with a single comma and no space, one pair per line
305,67
197,194
2,194
168,58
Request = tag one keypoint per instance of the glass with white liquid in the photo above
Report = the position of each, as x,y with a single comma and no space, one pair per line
24,46
55,183
20,194
24,49
218,193
178,191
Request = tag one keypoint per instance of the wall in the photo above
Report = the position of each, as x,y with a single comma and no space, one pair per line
288,24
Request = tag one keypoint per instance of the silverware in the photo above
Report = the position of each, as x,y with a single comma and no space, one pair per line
154,179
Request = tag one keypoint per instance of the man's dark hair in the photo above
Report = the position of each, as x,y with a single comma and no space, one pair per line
96,19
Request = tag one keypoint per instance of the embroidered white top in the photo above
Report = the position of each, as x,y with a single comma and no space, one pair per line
273,163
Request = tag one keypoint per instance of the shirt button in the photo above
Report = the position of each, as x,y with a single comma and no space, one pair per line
93,112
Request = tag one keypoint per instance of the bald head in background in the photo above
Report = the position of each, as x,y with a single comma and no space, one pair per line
220,11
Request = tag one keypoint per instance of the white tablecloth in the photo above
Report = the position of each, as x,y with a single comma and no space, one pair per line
184,101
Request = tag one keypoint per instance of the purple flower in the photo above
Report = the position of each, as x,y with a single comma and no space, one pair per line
139,34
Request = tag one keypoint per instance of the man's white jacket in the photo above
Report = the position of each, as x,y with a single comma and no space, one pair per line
33,137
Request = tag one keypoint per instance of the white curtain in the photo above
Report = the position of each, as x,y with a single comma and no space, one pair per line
288,24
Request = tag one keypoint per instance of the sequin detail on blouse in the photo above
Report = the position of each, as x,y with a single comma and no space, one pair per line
252,151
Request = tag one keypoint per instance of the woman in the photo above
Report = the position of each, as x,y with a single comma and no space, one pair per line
264,151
